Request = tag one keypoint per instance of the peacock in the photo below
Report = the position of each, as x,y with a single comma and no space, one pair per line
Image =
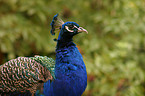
43,76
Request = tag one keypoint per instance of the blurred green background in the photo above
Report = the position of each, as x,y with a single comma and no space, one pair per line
113,51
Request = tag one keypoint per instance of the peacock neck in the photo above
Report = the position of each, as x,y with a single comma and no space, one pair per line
70,72
64,44
67,56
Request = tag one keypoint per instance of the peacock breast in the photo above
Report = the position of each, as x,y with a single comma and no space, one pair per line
70,72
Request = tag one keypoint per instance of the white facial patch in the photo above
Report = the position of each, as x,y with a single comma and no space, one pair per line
66,27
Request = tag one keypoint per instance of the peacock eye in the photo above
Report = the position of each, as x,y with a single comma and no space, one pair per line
71,27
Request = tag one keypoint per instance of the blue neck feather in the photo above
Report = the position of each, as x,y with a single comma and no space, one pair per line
70,72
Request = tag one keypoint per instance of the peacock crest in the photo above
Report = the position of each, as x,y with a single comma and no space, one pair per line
56,24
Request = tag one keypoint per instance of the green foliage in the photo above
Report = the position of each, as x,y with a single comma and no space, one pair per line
114,49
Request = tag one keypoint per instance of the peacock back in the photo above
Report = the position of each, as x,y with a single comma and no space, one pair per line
26,73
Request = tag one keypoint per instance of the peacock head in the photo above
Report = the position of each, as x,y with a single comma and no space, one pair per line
67,30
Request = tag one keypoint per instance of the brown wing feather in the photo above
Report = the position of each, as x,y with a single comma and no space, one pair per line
22,74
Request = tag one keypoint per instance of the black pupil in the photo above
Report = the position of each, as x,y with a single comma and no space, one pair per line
71,27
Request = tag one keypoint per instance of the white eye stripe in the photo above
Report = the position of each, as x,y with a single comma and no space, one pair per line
75,27
66,27
80,28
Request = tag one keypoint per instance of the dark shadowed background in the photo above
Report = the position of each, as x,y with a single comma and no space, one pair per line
113,51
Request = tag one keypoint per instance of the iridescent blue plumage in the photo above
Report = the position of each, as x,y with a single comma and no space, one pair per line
68,77
70,72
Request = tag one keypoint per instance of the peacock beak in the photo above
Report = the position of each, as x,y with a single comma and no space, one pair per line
81,29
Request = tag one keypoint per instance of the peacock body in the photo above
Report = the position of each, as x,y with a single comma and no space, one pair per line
42,76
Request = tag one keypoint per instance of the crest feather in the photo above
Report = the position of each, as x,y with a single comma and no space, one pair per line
56,24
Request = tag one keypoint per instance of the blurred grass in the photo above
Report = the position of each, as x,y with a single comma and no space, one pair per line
113,51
